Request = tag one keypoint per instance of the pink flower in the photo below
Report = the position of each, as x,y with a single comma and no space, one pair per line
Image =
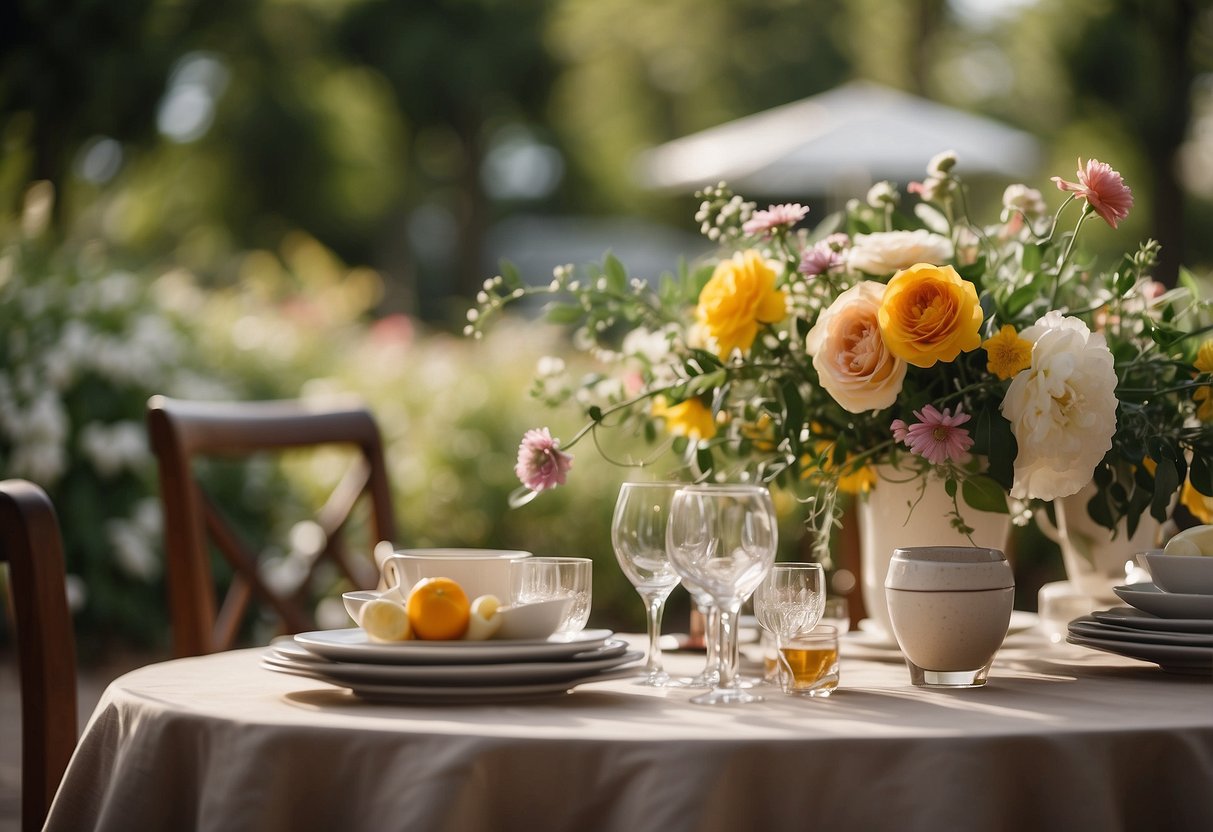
541,463
764,222
824,256
936,436
1103,188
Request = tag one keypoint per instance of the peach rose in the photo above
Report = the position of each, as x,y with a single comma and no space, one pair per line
930,313
850,356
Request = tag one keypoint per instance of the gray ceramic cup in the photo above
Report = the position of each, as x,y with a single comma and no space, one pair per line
950,607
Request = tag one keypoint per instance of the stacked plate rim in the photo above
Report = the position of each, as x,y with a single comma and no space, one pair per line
450,672
1167,629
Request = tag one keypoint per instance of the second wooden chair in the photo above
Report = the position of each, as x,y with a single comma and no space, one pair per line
182,431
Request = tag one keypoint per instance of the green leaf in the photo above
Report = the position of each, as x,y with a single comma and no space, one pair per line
594,412
1166,483
984,494
509,275
1003,449
949,487
705,382
1033,256
703,458
793,406
616,274
563,313
1021,297
1201,474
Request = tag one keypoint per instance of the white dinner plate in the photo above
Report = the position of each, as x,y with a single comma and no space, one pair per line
612,654
439,695
1142,620
1093,628
354,645
1170,657
1166,604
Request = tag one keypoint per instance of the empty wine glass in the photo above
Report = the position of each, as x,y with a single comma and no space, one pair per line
722,541
789,602
638,537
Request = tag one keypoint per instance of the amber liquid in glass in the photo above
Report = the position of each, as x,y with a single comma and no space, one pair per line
809,666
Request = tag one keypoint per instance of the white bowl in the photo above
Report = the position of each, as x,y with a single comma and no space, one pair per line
520,621
528,621
478,571
355,601
1186,574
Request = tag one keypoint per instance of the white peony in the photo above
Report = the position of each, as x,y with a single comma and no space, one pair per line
884,252
851,359
1062,408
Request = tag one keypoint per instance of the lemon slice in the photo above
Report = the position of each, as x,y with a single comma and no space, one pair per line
1197,540
483,621
385,620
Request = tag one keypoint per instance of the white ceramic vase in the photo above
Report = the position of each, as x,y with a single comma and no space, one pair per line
1095,559
887,523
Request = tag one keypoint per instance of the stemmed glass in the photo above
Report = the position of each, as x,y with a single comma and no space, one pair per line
790,601
638,535
722,540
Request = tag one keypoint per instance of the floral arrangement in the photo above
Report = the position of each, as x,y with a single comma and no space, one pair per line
994,356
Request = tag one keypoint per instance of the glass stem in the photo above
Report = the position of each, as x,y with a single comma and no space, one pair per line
728,644
655,606
711,617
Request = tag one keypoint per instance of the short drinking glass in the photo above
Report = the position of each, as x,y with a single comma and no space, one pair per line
542,579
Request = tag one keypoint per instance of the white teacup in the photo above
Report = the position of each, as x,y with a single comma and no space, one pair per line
478,571
950,607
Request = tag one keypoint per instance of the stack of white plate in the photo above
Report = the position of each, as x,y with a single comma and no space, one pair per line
1174,631
436,672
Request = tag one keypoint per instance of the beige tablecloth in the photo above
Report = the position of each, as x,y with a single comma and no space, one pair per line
1061,738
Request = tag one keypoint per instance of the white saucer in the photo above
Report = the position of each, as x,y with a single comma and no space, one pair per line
1166,604
354,645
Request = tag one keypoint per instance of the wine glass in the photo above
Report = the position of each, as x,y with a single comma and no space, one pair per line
790,601
722,540
638,537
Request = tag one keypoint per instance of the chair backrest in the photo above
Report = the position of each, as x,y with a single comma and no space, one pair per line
182,431
46,648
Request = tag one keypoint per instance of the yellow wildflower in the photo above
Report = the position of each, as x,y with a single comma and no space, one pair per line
1008,353
1204,395
740,295
691,418
856,481
1197,503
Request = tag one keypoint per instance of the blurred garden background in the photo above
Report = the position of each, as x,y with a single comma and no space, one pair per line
279,198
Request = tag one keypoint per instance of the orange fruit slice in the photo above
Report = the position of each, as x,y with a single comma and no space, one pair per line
438,609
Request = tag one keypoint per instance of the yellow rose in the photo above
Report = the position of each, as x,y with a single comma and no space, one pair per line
928,314
740,295
691,418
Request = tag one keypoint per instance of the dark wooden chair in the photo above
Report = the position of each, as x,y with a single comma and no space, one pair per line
183,431
46,648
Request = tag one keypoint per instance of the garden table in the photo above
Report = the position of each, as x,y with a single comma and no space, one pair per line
1061,738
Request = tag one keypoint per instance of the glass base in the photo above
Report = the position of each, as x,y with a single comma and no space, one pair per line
924,678
659,679
726,696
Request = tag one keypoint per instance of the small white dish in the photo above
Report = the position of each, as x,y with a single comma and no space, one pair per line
355,601
1166,604
1190,574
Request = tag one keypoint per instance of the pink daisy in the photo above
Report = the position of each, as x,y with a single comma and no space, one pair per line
1103,188
541,463
937,436
824,256
764,222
